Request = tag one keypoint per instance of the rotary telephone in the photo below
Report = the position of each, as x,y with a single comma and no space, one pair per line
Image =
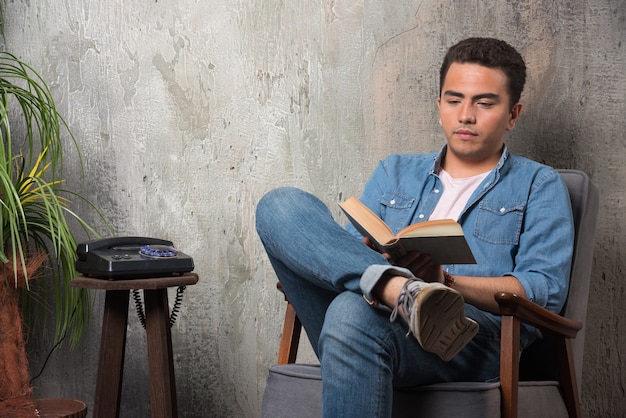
118,258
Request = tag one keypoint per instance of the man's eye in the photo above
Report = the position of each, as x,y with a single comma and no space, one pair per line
485,104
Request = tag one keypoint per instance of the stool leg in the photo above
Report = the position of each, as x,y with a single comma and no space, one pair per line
111,362
160,358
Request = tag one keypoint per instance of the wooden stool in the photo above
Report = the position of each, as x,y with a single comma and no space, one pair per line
113,342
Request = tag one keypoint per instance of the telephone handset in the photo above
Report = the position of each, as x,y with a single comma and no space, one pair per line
118,242
131,258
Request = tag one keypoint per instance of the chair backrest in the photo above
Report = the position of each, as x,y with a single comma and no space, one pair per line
585,200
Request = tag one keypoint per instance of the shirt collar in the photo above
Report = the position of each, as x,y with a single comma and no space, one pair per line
442,153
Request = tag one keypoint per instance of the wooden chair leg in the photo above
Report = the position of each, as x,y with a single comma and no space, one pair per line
509,365
291,337
568,377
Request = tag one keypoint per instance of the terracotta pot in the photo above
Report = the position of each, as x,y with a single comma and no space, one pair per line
60,408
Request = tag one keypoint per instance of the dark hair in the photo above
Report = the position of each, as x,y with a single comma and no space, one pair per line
491,53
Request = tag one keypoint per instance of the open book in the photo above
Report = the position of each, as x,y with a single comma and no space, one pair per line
442,239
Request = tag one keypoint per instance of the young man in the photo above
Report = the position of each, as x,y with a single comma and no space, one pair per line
515,214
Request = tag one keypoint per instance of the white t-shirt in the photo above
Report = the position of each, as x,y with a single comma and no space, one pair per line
456,193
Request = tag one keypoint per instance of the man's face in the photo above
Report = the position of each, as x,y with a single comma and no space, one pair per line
475,112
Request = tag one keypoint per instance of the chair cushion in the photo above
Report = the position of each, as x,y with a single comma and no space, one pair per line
296,390
457,399
541,399
292,388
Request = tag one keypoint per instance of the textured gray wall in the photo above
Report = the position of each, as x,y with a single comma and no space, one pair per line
186,112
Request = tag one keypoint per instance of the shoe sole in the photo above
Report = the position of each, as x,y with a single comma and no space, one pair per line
439,321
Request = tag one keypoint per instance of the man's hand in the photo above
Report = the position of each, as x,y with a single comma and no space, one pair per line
421,265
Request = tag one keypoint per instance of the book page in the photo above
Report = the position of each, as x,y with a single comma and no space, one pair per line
439,227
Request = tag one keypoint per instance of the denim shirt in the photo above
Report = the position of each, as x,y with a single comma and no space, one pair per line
517,222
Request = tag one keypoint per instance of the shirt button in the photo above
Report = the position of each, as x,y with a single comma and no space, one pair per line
421,216
436,190
502,210
393,201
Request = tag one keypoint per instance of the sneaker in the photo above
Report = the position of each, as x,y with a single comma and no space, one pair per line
436,317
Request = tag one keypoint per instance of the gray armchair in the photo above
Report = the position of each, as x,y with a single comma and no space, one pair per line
544,382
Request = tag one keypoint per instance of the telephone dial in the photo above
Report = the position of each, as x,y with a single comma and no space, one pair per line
131,258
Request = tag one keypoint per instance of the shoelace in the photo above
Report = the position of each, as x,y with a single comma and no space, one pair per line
404,301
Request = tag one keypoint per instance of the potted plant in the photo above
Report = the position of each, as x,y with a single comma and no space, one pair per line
36,220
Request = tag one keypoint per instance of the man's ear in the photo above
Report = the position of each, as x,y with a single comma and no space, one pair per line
439,107
515,112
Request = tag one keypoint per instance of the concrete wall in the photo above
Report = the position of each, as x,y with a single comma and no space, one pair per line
187,111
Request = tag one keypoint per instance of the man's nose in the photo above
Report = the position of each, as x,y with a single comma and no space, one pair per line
467,114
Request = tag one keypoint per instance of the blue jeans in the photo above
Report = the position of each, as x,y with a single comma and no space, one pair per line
363,355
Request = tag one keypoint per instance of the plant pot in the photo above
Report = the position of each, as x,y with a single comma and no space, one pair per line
60,408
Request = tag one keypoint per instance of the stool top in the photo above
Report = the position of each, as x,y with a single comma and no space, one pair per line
128,284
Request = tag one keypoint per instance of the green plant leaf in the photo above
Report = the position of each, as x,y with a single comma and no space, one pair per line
35,210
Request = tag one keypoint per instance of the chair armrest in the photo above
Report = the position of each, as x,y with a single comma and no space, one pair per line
533,314
280,289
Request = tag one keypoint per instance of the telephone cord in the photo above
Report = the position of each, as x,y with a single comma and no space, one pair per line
175,309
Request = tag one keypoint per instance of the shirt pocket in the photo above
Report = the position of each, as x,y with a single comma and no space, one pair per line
396,210
500,222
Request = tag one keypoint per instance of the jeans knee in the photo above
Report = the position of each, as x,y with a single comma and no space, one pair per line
284,206
277,202
268,208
